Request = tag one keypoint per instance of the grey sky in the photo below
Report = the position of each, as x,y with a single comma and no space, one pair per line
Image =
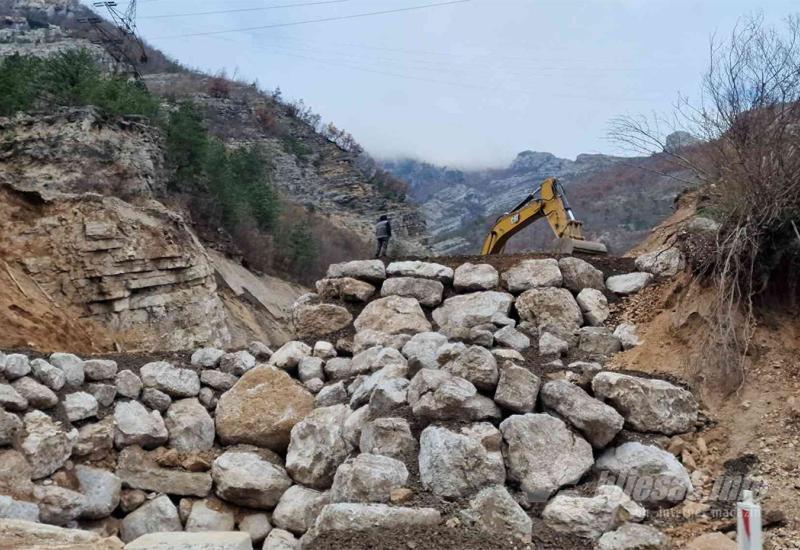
468,84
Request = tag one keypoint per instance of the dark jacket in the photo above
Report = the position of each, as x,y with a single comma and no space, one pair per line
383,229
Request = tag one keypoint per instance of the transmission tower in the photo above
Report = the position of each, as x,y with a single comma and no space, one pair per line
120,38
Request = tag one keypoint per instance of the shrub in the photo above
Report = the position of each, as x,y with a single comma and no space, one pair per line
267,119
219,87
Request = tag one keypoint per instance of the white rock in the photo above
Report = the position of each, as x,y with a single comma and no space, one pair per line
278,539
354,424
426,291
128,384
353,517
474,277
648,405
10,427
256,525
664,263
309,368
259,350
590,517
11,400
529,274
52,377
369,270
422,349
135,426
474,364
237,363
363,394
37,395
454,466
99,369
550,344
72,366
666,480
632,536
425,270
80,405
18,509
324,350
298,508
290,354
494,511
173,381
155,399
16,366
334,394
190,427
214,517
626,334
157,516
579,274
393,315
246,479
388,437
46,445
438,395
598,342
368,478
207,357
318,446
594,305
517,389
542,454
551,310
598,422
510,337
57,505
629,283
219,540
388,396
469,310
102,491
104,393
217,379
370,338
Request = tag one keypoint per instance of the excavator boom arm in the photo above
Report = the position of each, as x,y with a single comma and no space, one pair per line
546,202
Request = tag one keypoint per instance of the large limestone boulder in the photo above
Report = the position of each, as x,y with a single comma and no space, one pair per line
438,395
190,427
237,363
594,305
648,405
667,480
368,270
46,445
363,393
388,437
427,292
15,533
101,489
11,400
630,283
664,263
139,469
474,363
37,395
598,342
598,422
627,335
542,454
551,310
246,479
517,389
80,405
314,320
529,274
393,315
280,539
632,536
579,274
262,408
494,511
470,310
99,369
207,358
15,474
58,505
421,351
424,270
135,426
346,288
474,277
318,447
72,365
18,509
52,377
290,354
157,516
173,381
510,337
298,508
453,465
355,517
368,478
590,517
208,540
10,426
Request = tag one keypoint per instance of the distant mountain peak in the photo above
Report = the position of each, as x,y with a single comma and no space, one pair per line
539,161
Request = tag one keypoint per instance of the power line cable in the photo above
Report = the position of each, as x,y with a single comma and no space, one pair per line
320,20
240,10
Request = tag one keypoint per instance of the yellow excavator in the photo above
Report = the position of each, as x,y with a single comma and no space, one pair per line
547,201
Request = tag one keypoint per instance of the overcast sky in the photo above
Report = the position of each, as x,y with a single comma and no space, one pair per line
466,84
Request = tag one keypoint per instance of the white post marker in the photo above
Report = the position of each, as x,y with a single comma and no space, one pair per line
748,523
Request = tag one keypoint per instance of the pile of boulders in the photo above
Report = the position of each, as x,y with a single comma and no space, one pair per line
429,387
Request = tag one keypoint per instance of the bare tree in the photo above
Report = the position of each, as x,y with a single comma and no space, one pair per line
749,120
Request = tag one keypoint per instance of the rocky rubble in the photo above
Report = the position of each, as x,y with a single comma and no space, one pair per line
320,438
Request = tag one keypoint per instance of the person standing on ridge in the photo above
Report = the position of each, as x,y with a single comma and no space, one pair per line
383,231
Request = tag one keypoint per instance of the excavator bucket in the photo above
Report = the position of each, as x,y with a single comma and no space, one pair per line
566,245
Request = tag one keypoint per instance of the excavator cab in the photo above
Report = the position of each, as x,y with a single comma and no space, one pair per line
547,201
